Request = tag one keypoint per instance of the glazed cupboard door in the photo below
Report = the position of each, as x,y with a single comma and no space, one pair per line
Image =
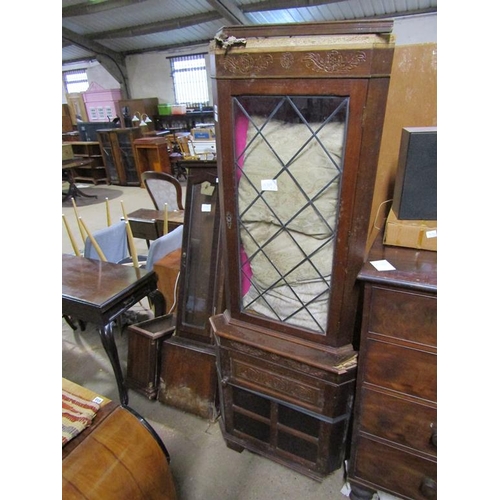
290,172
201,273
299,112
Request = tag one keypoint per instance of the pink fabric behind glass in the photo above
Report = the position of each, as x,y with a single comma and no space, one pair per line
241,129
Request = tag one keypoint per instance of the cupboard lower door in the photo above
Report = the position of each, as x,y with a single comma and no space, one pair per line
309,443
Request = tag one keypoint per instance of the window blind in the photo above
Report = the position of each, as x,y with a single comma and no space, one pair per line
189,74
76,80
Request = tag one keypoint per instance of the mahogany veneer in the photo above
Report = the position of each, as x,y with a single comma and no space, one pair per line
394,445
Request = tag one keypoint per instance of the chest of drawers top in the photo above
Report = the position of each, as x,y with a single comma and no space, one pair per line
414,269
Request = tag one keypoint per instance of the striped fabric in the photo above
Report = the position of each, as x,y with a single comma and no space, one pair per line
77,414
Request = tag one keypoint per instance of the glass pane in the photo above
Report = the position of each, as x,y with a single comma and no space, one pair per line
298,420
251,427
298,447
252,402
199,255
288,161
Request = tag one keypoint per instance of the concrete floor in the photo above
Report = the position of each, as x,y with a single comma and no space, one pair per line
203,466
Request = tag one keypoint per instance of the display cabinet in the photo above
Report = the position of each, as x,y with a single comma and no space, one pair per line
117,146
394,443
188,364
299,113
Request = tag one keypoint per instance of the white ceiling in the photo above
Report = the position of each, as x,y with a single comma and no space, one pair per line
117,28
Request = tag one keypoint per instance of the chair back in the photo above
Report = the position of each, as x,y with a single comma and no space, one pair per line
113,242
163,188
163,246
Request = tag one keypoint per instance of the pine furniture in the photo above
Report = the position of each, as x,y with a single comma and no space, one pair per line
152,154
95,171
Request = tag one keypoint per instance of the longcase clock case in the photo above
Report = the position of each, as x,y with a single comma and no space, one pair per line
299,111
188,378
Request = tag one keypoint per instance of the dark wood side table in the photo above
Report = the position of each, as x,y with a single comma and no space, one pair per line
98,292
147,223
68,167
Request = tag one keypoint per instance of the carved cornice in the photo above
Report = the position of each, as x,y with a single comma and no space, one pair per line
246,63
334,61
289,63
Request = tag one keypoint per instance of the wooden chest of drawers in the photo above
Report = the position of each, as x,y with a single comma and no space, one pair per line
394,444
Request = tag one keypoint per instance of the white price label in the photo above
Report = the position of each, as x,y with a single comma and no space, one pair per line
269,185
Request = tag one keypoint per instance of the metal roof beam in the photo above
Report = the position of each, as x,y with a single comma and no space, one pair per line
157,27
96,6
112,61
230,11
285,4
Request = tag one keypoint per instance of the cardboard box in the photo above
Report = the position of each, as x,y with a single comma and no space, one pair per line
67,152
419,234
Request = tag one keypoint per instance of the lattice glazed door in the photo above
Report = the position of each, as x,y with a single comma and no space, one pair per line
288,159
299,120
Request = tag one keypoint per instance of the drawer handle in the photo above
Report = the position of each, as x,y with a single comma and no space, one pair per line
224,381
434,438
428,487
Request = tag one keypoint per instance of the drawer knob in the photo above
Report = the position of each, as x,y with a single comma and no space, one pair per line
434,438
224,381
428,488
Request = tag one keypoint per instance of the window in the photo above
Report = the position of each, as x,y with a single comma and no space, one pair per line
76,80
189,74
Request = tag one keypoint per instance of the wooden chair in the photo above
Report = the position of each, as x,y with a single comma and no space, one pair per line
163,188
183,142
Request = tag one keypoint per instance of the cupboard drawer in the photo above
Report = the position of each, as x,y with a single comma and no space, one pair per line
395,471
291,386
401,369
398,420
404,315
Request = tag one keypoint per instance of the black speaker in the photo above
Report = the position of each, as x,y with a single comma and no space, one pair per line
415,189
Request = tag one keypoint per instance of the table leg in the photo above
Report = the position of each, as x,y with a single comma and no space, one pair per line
73,192
158,302
108,342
